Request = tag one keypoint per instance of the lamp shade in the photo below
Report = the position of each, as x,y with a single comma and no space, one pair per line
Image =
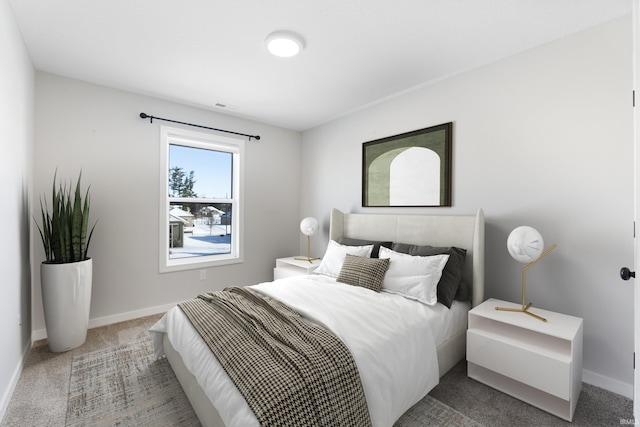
525,244
309,226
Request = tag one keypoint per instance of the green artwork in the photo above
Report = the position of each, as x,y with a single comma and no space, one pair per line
411,169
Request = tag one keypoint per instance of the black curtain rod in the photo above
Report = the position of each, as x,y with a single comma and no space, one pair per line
145,116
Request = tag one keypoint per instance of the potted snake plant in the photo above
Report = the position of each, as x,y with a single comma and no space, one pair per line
66,274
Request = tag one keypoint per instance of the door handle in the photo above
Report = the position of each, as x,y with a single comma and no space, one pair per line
626,274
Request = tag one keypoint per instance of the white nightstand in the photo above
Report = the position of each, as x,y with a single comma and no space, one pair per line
287,267
537,362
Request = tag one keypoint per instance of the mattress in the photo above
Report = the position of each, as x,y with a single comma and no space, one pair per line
392,339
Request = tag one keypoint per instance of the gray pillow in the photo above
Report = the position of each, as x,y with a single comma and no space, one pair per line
452,273
365,272
348,241
464,291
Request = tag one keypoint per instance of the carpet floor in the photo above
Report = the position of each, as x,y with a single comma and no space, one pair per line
596,407
113,379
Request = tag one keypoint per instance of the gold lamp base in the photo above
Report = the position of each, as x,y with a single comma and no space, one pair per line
308,258
525,307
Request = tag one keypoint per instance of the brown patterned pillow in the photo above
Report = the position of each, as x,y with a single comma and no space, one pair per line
365,272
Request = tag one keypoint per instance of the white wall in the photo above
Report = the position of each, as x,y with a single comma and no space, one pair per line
98,129
16,158
544,139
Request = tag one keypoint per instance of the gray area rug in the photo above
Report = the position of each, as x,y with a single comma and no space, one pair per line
127,386
432,412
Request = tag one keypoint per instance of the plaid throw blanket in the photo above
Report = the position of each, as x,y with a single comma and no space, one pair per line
290,373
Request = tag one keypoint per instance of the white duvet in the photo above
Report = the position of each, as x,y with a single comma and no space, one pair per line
390,337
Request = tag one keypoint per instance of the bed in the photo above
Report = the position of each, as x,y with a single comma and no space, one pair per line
218,403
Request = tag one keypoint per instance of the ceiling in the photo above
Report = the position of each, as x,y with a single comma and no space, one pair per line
358,52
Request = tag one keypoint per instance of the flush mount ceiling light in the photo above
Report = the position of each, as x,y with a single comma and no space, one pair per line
284,44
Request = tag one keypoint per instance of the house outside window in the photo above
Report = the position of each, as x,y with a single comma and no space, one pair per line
201,215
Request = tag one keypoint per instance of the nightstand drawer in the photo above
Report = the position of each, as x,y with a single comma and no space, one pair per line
549,374
538,362
294,266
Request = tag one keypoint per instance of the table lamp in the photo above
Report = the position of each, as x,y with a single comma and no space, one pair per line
308,226
525,244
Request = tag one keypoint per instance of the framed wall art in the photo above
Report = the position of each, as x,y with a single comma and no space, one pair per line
410,169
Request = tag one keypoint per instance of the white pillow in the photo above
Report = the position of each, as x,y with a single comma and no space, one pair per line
415,277
331,263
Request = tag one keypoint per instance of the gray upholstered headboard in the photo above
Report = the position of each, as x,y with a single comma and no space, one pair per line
436,230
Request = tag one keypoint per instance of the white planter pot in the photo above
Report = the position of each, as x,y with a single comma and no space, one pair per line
66,298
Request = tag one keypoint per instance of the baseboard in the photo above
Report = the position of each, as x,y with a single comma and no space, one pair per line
609,384
41,334
8,392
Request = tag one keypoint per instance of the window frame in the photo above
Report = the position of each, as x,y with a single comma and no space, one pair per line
208,141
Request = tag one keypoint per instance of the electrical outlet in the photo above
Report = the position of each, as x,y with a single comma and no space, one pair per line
203,274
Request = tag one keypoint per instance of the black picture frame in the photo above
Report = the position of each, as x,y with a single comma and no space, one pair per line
412,169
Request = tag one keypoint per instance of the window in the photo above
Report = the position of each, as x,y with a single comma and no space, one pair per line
200,199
